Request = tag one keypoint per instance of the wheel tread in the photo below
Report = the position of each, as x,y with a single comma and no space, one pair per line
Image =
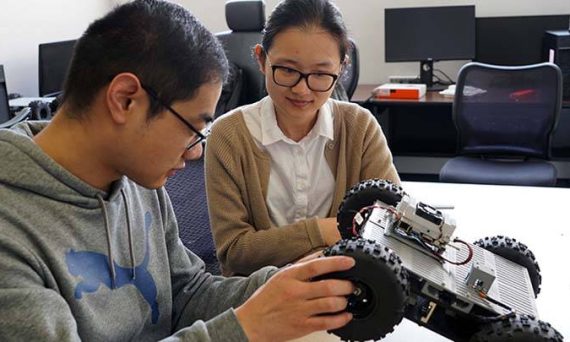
380,254
518,327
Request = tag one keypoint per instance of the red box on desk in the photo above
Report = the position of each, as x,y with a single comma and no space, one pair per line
399,91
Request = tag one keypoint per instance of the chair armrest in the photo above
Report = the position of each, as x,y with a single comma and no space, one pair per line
22,115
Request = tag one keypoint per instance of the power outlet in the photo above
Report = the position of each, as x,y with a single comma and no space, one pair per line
404,79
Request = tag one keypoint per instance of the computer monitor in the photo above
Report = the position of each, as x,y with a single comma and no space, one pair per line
4,104
429,34
54,59
515,40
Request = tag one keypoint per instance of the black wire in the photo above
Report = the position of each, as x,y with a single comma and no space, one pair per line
415,237
487,319
494,301
437,79
444,74
368,100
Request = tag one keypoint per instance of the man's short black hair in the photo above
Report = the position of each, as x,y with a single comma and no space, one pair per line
160,42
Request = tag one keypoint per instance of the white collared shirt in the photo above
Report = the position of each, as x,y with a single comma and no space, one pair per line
301,183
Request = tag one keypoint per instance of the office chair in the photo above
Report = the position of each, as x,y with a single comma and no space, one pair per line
232,91
5,114
8,120
349,79
246,19
22,115
187,193
505,117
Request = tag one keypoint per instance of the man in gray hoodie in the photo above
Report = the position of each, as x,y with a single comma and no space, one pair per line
89,245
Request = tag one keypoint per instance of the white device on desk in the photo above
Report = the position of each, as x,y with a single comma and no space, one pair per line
467,91
20,102
41,108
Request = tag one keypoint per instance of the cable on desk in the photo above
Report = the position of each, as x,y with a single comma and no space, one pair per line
445,75
368,100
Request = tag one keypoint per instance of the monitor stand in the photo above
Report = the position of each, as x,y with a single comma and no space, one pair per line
426,72
426,76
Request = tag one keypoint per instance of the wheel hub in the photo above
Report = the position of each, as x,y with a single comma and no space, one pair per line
361,301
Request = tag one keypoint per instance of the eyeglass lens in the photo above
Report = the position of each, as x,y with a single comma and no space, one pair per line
289,77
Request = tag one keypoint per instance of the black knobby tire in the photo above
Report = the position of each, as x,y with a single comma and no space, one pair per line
383,281
517,328
362,195
516,252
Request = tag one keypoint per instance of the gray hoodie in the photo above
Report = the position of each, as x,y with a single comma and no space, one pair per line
79,263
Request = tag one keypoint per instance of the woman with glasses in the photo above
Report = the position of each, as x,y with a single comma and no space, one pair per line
277,170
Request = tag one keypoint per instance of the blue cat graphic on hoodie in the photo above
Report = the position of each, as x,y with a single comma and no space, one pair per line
94,270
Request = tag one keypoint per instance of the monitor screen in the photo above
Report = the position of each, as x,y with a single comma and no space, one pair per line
54,58
4,104
515,40
429,33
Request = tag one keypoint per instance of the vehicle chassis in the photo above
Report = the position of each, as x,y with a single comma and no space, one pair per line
407,265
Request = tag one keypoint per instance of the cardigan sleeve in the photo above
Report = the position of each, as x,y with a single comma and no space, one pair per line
377,159
244,237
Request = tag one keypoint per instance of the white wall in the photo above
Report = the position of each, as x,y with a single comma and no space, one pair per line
26,23
365,21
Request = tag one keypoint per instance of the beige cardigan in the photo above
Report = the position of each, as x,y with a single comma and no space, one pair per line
237,176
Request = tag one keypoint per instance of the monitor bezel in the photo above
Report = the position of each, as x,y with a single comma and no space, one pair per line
467,56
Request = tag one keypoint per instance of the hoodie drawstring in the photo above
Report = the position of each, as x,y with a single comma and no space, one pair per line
131,250
110,245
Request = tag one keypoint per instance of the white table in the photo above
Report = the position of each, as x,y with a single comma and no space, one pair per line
538,217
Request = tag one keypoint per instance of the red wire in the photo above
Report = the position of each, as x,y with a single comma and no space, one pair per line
390,209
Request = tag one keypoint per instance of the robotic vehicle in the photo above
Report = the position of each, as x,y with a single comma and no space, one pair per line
408,264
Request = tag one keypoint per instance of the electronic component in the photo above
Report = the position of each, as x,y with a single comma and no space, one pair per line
480,277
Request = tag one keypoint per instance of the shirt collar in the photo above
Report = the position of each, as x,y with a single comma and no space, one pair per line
271,133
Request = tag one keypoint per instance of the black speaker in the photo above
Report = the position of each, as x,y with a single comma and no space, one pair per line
557,47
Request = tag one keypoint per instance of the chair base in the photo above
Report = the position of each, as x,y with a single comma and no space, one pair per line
487,171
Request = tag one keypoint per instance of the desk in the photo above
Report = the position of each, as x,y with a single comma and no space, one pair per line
363,91
535,216
421,127
425,127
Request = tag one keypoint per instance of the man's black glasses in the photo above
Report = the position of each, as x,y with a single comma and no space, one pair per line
199,136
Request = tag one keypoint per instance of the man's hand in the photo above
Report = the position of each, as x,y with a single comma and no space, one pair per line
290,305
310,257
329,231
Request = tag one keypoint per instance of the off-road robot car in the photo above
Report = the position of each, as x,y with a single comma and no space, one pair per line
409,264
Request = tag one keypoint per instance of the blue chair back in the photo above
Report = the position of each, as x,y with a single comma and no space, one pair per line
187,193
505,118
507,111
